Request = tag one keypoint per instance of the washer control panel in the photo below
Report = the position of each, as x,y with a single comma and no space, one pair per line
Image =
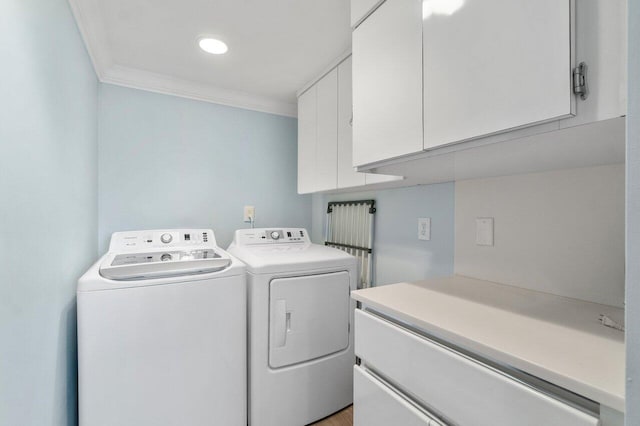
136,241
245,237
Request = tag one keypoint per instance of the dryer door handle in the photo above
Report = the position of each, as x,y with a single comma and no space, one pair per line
280,322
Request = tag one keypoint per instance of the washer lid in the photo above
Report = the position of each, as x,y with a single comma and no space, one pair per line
159,264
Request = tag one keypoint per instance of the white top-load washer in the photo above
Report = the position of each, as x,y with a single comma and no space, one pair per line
300,335
162,332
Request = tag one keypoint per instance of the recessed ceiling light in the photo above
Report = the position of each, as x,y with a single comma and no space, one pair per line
212,45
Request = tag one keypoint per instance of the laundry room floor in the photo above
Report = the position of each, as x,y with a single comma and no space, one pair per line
341,418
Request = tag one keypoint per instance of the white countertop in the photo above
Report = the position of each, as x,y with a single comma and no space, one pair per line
555,338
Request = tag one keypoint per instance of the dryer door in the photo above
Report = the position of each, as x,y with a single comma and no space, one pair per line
308,317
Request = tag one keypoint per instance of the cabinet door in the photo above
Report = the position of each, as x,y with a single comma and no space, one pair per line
494,65
307,125
347,176
601,42
360,8
327,142
387,83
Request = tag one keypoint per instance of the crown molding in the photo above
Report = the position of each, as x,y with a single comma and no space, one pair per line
160,83
87,16
88,20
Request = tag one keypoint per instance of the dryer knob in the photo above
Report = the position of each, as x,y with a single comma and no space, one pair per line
166,238
275,235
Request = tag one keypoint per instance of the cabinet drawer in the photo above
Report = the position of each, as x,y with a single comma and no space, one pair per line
375,404
465,391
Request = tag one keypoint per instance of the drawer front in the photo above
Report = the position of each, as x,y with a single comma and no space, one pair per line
375,404
463,390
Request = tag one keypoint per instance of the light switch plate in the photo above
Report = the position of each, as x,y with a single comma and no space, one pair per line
484,231
424,228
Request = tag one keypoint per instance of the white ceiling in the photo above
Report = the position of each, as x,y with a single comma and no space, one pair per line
275,46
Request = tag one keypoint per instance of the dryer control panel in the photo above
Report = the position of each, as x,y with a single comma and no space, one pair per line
161,239
248,237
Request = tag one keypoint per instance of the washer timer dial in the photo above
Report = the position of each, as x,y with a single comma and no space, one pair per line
166,238
275,235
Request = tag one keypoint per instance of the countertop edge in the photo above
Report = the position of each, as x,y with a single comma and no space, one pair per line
605,398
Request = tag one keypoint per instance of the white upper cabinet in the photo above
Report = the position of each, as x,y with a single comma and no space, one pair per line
387,83
360,9
327,142
433,79
494,65
325,149
347,176
307,127
371,178
318,136
601,42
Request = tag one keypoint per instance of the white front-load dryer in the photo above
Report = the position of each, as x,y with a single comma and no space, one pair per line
300,335
162,333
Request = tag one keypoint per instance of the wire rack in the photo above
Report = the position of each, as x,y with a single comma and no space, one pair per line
350,228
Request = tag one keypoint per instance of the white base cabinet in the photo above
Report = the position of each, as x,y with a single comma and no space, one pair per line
377,404
433,378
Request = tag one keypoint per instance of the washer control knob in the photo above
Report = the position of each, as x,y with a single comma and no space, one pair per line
166,238
275,235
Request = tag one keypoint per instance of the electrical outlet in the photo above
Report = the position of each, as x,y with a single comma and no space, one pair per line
249,214
484,231
424,228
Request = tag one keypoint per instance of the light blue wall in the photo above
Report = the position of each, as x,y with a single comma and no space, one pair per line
48,207
633,220
398,254
168,162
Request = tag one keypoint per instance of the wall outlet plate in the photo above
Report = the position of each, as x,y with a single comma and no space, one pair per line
249,214
484,231
424,228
